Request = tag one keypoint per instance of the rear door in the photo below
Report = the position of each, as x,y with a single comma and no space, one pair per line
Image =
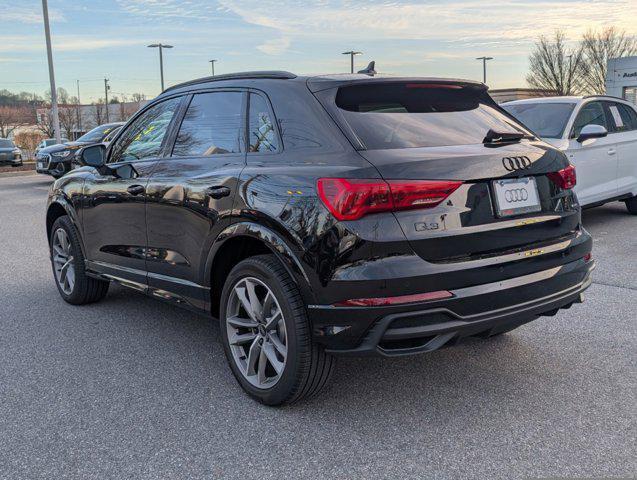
626,120
595,159
191,193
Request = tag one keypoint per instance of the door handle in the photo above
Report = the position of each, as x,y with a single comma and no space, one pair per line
612,151
136,189
218,191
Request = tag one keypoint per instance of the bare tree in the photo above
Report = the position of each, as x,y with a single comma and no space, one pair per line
28,141
12,118
99,114
599,47
68,120
45,123
556,68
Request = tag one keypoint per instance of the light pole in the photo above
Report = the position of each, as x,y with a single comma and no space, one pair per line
351,54
49,55
161,46
212,64
484,67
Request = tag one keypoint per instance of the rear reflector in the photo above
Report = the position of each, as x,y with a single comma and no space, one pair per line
588,257
385,301
565,178
351,199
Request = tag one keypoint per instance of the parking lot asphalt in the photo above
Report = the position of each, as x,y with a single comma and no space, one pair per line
134,388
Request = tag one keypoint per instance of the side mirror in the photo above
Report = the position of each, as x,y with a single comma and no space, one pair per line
592,131
92,156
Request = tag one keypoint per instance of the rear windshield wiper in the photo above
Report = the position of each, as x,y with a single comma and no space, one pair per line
503,137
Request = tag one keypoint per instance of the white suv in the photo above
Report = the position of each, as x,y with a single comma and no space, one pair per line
599,136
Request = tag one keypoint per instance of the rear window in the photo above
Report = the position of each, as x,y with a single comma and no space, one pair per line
4,143
407,115
548,120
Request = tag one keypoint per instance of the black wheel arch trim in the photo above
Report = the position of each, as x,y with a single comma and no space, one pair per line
274,242
60,200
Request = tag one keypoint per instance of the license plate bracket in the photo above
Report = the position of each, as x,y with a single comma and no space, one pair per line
516,196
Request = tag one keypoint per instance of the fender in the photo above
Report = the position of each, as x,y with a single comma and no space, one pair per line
274,242
58,197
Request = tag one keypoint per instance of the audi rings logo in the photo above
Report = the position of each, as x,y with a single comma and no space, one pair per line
516,163
515,195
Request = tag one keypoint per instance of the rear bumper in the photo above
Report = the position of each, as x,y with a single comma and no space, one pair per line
480,310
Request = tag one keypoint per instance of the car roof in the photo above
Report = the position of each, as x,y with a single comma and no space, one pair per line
315,82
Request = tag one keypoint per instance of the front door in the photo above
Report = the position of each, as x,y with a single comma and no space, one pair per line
595,159
190,195
114,201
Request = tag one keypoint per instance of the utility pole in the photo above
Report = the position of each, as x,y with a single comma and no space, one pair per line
161,46
484,67
212,63
49,55
351,54
106,89
79,113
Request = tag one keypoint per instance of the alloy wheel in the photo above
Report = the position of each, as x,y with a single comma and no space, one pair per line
256,332
63,261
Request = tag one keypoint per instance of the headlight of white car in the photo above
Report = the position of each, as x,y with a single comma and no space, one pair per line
61,154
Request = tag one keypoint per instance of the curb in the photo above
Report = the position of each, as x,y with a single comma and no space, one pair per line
22,173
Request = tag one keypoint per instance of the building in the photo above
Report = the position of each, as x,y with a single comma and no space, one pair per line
621,78
76,120
502,95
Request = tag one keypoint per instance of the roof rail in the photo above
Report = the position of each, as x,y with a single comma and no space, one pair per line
606,96
276,74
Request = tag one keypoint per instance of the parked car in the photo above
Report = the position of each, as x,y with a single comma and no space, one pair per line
47,142
56,159
599,136
9,153
322,216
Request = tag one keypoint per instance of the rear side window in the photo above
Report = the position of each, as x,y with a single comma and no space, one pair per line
405,115
628,116
591,114
211,126
262,136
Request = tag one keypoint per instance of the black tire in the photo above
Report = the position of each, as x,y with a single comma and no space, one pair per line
631,205
85,289
307,368
59,171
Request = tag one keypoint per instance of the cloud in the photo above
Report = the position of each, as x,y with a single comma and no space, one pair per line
465,21
61,43
30,15
276,46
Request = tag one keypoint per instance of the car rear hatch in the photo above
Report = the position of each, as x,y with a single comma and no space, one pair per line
503,190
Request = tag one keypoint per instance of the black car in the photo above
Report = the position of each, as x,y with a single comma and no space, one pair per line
56,160
322,216
10,155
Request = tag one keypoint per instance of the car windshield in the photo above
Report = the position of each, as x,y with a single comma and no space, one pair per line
96,134
406,115
4,143
547,119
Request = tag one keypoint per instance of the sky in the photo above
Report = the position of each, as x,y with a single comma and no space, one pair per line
108,38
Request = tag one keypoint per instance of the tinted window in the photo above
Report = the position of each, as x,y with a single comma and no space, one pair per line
262,136
628,115
4,143
591,114
548,120
143,138
211,126
96,134
403,115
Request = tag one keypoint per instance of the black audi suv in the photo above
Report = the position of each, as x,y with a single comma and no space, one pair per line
325,215
57,160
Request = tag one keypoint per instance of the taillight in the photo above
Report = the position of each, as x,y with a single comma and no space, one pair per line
351,199
565,178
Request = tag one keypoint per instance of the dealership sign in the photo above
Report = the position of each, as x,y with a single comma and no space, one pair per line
629,75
